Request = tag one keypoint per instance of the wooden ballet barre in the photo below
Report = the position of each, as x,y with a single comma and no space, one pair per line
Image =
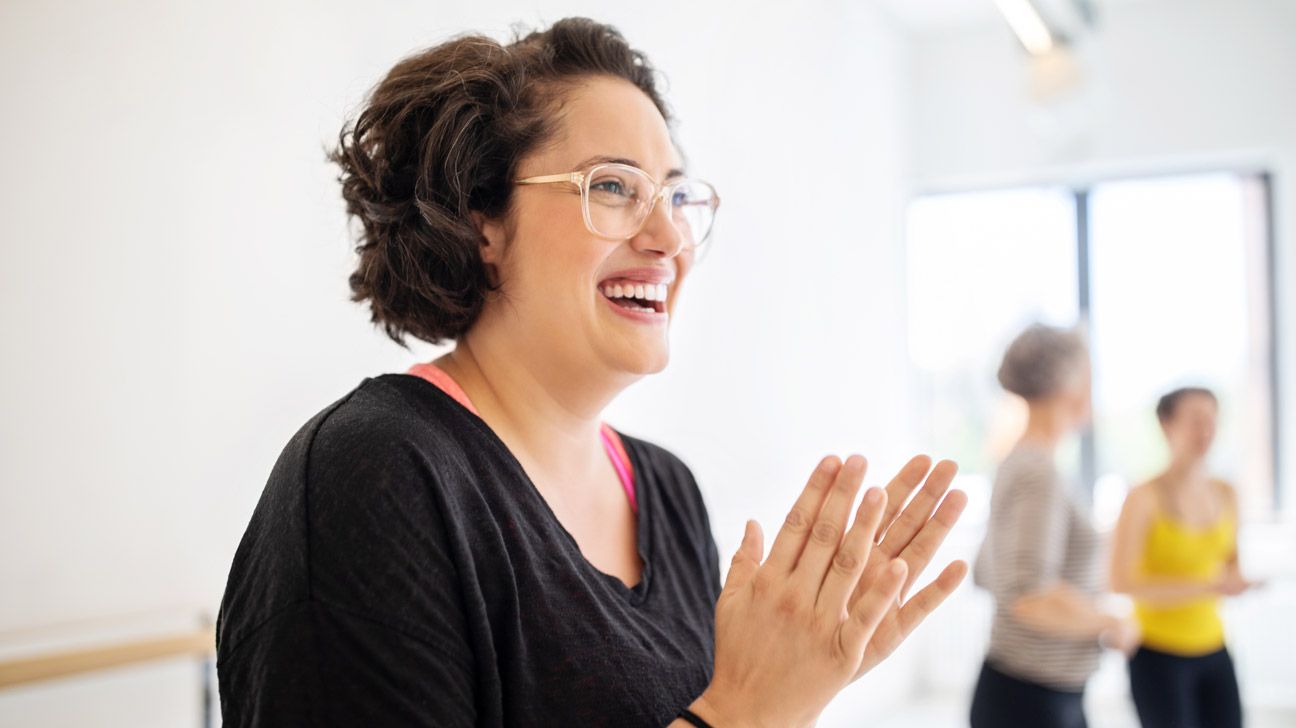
64,663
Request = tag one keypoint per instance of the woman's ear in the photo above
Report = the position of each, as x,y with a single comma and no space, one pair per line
494,236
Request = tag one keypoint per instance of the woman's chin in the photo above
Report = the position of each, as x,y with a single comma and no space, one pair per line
643,362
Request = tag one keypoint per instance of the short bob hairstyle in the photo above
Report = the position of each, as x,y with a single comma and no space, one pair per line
439,139
1042,361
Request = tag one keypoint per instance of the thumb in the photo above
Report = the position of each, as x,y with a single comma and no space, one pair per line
747,559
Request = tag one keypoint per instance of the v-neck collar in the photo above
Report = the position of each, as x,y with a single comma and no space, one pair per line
634,595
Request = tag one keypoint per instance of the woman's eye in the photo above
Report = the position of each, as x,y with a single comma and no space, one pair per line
611,186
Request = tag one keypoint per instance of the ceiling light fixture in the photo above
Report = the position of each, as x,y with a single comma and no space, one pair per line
1024,19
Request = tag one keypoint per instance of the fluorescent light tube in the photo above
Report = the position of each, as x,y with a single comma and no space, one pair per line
1026,22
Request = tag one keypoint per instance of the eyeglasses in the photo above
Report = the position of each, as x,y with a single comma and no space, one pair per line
616,200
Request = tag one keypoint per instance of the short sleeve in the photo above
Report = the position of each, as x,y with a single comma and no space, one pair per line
345,606
315,665
1030,532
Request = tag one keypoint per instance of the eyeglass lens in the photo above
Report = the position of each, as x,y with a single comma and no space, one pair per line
621,197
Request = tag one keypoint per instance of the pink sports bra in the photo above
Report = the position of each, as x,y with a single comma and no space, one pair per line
611,440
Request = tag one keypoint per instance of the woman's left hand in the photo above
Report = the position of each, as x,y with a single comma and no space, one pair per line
1233,584
913,533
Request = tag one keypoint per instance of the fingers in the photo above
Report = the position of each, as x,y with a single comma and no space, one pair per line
897,626
747,559
868,612
928,598
792,536
922,548
914,515
898,490
829,526
848,564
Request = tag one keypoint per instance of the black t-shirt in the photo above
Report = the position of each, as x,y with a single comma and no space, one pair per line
401,569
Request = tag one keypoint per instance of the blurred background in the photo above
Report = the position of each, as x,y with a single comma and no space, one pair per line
906,184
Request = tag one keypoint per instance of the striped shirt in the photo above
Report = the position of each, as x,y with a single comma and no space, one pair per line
1039,534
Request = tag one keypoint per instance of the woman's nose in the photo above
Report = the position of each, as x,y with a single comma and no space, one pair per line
659,235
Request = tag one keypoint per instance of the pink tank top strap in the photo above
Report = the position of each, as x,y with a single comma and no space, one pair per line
621,461
445,383
611,440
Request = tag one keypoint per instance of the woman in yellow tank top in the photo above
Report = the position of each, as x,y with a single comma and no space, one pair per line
1175,553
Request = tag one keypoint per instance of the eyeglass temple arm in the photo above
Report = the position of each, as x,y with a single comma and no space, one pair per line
573,177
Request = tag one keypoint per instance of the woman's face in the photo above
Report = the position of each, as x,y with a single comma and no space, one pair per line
1190,430
553,272
1075,400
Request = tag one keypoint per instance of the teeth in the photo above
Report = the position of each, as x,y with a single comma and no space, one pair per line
640,291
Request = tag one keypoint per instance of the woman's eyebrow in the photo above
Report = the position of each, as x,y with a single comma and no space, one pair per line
605,159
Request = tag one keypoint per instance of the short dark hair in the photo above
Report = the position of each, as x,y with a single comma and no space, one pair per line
1169,401
440,138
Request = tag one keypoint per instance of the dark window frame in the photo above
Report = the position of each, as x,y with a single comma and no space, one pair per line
1080,196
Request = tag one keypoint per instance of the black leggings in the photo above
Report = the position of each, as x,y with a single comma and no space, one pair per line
1171,691
1003,701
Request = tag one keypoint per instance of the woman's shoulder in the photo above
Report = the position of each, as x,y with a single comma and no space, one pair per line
1226,495
383,435
669,473
382,444
1026,465
357,489
654,455
1224,488
392,412
663,465
393,403
1142,502
1145,493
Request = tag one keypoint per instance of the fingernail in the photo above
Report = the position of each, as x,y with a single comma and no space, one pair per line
873,496
897,567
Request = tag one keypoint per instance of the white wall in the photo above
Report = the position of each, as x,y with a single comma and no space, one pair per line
1170,85
174,300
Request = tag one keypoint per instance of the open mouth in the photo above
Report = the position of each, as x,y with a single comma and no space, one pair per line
645,297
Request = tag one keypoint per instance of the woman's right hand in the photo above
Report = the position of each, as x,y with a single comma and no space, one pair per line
1122,634
1231,584
793,631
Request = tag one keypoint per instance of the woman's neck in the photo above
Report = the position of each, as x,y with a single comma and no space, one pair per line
549,419
1044,428
1186,473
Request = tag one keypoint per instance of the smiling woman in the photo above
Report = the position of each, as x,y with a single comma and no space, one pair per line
468,543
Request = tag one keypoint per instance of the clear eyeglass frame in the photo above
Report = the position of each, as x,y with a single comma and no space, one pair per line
583,178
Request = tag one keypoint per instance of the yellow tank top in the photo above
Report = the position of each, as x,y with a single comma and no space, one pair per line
1182,552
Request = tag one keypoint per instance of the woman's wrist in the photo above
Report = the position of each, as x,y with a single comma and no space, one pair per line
705,708
720,712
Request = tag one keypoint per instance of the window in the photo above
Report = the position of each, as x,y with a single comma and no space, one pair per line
1172,276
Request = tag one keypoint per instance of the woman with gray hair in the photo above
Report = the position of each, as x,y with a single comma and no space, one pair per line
1039,558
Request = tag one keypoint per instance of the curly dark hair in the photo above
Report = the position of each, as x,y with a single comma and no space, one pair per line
441,137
